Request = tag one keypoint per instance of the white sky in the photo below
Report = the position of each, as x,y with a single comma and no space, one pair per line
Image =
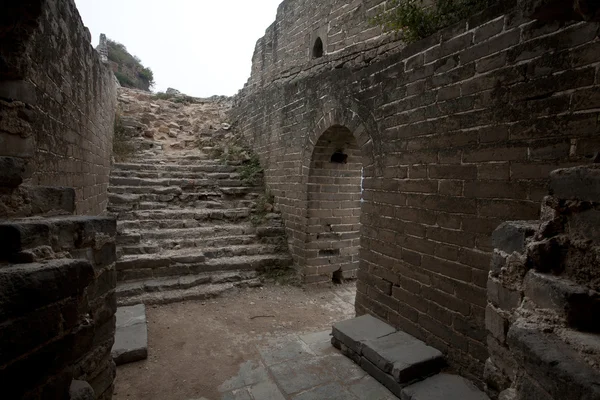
200,47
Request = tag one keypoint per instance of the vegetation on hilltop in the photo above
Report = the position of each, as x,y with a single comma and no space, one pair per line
129,69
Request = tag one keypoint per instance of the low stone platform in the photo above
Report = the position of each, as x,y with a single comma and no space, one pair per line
131,337
403,364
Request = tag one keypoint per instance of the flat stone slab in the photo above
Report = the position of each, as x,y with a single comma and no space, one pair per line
443,386
354,332
403,356
131,336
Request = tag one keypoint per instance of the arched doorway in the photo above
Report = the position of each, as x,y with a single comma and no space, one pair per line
318,48
334,203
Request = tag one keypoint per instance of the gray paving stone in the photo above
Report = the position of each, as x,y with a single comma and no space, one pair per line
266,391
250,373
331,391
319,343
278,353
344,368
443,386
301,374
368,388
354,332
240,394
404,356
131,336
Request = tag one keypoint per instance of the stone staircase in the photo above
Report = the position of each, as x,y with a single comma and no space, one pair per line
185,230
409,368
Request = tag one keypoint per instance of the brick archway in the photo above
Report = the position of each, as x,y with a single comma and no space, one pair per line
333,207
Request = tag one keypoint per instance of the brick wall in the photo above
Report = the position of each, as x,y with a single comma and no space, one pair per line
57,100
457,133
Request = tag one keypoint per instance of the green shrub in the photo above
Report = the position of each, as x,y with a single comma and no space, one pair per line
124,80
414,21
163,96
118,54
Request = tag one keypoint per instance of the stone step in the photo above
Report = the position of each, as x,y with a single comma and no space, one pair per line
578,305
202,292
135,288
204,199
174,175
181,263
31,201
196,233
170,191
200,167
203,215
116,181
224,250
405,365
173,244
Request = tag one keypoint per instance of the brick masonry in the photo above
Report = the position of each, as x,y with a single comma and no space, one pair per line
457,133
57,100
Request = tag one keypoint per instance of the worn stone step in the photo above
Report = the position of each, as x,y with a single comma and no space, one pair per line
174,244
181,263
202,292
192,190
171,182
134,288
201,167
394,358
212,205
578,305
185,214
175,175
197,233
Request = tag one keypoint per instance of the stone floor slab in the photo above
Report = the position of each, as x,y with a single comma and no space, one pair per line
443,386
250,373
131,336
331,391
404,356
355,331
368,388
319,343
301,374
266,391
281,352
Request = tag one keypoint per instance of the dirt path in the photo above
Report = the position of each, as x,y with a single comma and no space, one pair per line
194,347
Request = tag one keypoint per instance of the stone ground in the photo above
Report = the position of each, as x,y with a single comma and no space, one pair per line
261,343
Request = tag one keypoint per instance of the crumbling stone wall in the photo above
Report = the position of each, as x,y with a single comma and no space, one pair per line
57,101
544,296
457,134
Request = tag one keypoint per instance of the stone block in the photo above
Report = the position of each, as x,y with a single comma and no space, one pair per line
12,171
443,386
511,236
403,356
580,306
354,332
496,323
503,297
386,380
578,183
24,288
81,390
555,366
18,90
131,336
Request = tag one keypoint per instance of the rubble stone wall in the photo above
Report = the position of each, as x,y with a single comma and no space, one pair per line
57,100
544,296
457,134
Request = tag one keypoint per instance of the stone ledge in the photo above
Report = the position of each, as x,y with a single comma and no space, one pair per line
578,183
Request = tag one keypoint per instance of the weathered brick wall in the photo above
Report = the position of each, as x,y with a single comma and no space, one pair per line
457,133
57,100
544,296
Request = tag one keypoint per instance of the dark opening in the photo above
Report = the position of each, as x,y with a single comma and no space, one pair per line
339,157
318,48
338,277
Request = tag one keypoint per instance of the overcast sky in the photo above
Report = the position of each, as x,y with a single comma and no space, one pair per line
200,47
